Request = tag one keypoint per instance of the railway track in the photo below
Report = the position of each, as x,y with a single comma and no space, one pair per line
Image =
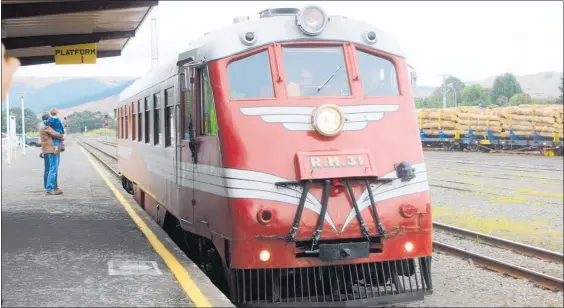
541,279
113,144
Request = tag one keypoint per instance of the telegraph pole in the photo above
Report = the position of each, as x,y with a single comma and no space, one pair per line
154,41
444,89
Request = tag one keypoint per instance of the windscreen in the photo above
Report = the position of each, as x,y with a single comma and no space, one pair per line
315,71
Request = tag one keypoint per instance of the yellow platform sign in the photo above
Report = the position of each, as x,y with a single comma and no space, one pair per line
76,54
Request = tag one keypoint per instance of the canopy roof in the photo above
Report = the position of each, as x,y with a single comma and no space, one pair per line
30,28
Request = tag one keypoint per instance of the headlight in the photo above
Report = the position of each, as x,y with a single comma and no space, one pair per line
311,20
328,120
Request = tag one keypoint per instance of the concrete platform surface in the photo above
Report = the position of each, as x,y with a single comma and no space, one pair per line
82,248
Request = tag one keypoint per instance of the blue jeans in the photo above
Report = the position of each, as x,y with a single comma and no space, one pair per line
51,162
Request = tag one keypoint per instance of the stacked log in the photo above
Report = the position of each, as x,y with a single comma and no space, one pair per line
522,120
432,120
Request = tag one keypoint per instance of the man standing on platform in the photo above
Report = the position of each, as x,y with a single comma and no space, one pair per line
51,158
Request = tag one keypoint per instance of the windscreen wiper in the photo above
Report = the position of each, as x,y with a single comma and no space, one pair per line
329,79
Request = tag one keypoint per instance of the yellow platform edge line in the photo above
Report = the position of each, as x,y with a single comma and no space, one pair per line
181,274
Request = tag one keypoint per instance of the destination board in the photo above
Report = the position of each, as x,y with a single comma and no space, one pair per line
76,54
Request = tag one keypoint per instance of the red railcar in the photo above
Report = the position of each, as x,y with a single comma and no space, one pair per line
286,149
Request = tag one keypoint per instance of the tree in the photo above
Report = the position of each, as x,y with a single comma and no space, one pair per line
31,120
475,95
520,99
92,120
504,87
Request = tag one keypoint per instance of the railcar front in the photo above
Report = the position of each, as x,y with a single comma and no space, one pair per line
322,164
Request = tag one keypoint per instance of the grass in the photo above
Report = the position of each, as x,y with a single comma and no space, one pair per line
100,132
537,231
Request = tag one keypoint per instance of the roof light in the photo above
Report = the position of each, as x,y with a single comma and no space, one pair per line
311,20
370,37
248,38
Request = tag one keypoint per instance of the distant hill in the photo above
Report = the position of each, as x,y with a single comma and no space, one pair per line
44,93
105,106
540,85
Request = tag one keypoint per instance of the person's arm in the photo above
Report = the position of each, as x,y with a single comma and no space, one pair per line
53,133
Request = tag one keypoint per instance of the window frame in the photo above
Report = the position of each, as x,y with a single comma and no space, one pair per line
168,112
381,55
203,73
133,125
139,121
147,119
156,119
274,73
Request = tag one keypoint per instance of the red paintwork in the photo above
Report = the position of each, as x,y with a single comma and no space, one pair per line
249,143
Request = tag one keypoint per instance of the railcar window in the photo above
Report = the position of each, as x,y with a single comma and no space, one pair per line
147,119
250,77
315,71
126,122
120,124
209,119
133,118
157,126
139,121
169,116
378,75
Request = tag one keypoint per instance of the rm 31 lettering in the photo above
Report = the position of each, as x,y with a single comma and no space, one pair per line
336,162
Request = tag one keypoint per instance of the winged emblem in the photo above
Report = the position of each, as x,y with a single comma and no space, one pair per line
299,118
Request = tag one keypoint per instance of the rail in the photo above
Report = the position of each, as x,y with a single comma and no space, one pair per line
540,279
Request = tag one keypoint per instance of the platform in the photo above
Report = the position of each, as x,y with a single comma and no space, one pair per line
88,247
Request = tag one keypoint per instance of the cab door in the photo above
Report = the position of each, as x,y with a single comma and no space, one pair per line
208,193
185,155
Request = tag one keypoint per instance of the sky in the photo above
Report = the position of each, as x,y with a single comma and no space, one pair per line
471,40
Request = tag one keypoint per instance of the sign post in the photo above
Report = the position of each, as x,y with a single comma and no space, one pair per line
76,54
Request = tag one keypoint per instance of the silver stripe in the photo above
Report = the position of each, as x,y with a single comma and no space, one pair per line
299,118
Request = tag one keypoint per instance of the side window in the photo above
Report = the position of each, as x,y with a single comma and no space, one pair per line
116,122
126,121
122,121
187,113
157,115
120,128
208,118
378,75
139,120
133,117
147,121
169,116
250,77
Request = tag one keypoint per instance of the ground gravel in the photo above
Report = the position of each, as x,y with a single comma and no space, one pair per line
459,283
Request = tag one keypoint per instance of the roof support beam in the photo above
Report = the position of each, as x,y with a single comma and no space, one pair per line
36,60
21,10
64,39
